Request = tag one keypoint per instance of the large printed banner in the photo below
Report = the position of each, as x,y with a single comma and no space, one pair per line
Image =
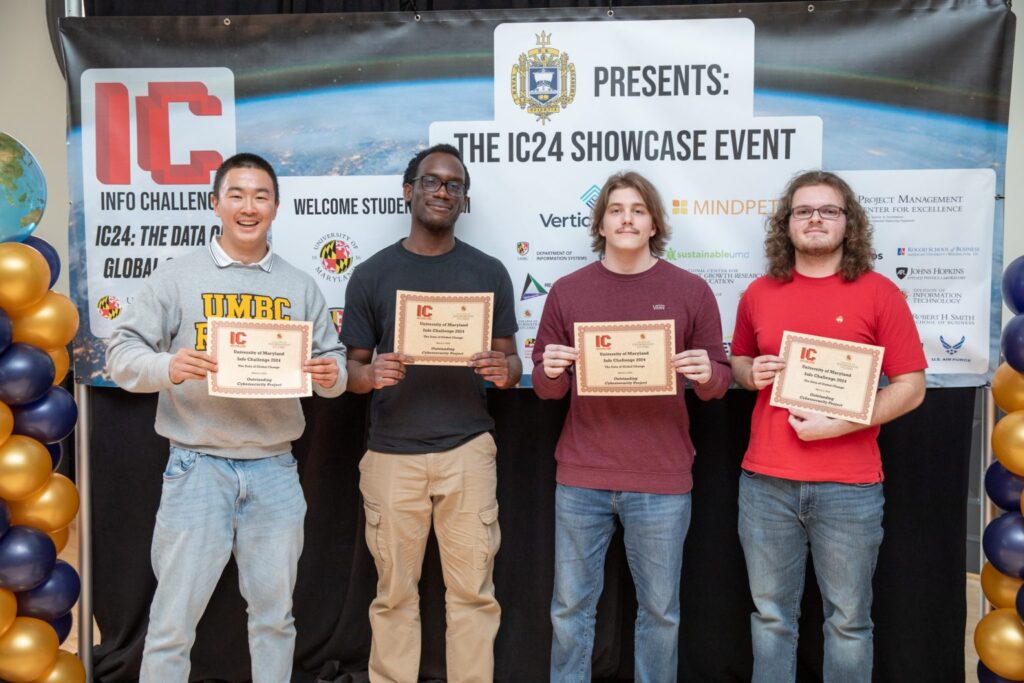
718,109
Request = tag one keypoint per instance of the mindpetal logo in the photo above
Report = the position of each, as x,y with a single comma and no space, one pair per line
180,123
532,289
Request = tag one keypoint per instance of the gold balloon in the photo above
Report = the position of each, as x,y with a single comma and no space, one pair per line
24,276
48,509
999,640
24,467
1000,589
6,422
61,363
67,669
60,538
27,650
8,609
50,323
1008,442
1008,389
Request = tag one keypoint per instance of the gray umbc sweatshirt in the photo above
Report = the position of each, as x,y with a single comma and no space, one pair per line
170,313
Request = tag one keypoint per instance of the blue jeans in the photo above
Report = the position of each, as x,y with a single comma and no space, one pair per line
842,525
655,528
212,507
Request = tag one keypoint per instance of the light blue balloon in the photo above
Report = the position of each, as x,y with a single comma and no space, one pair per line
22,191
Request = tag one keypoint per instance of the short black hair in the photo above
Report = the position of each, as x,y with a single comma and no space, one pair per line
245,160
414,163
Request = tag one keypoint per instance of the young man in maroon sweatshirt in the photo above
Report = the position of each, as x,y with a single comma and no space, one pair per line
625,457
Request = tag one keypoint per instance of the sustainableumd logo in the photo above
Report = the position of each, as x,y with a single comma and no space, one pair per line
543,80
335,256
109,307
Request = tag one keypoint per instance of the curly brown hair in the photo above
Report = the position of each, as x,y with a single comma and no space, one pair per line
649,193
858,254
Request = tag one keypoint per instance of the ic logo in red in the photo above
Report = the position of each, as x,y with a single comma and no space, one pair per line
178,123
808,354
603,341
236,338
425,311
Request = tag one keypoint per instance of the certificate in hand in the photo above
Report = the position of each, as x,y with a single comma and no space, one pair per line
832,377
625,358
443,328
260,358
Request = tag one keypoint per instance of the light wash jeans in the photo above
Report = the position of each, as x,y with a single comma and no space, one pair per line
655,528
212,507
779,520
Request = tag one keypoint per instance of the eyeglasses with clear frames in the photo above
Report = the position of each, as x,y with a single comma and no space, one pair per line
828,212
430,183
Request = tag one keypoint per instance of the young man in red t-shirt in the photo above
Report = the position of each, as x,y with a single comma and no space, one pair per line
625,457
809,480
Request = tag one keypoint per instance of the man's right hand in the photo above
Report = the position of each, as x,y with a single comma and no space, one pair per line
557,359
764,369
190,364
388,369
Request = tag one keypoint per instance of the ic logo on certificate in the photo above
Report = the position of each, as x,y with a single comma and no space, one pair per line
832,377
625,358
260,358
443,328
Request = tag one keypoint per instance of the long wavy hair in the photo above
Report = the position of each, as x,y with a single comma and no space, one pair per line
858,254
651,197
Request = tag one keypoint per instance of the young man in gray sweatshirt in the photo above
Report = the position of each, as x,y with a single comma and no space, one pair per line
231,484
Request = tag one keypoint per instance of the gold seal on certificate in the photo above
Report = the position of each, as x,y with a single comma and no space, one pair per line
259,358
443,329
625,358
828,376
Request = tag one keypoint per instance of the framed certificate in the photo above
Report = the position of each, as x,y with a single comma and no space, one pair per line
260,358
625,358
828,376
443,329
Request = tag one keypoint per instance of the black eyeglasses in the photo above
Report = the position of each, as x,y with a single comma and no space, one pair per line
430,183
829,212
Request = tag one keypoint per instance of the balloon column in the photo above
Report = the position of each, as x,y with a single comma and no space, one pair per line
999,636
37,591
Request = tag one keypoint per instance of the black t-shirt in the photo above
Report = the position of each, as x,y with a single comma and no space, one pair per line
434,408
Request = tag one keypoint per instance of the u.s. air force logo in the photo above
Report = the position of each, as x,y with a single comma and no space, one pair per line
543,80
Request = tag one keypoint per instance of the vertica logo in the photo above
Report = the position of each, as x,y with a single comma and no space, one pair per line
157,126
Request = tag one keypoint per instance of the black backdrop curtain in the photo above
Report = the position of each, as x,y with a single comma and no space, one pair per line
920,597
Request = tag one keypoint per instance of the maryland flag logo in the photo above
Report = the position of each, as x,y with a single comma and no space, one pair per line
336,256
109,307
522,248
543,80
336,315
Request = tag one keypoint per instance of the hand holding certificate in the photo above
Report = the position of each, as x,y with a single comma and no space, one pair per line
828,376
260,358
443,329
625,358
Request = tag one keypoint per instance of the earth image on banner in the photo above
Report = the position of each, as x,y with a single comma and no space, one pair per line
22,191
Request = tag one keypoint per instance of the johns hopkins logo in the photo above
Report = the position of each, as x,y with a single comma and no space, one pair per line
901,272
543,80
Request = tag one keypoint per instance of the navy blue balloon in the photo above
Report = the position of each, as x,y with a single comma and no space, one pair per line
1012,343
1013,285
5,517
49,419
27,557
54,596
62,625
1003,486
25,374
49,253
6,331
56,452
985,675
1003,542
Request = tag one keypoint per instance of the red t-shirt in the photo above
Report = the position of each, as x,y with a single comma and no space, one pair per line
869,310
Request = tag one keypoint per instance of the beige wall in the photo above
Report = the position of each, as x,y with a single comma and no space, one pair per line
33,109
